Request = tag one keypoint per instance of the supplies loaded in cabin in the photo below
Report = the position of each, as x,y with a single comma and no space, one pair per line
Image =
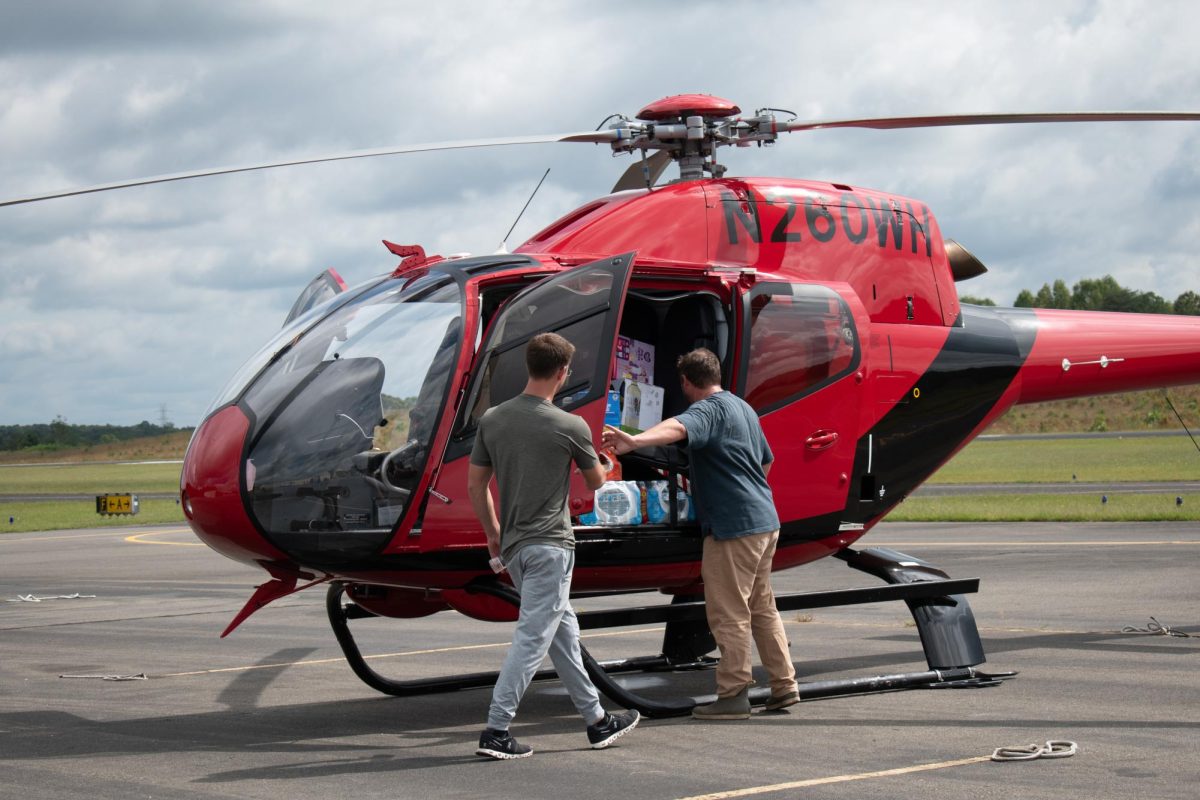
642,406
658,503
636,404
635,360
615,503
630,503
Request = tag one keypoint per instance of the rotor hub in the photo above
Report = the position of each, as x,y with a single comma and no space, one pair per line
681,106
690,128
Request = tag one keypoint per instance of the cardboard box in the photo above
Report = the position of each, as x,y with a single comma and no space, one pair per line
641,406
635,360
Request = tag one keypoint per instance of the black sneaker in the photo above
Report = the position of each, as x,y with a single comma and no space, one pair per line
611,728
501,745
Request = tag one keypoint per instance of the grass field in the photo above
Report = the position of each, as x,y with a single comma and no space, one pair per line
65,514
169,446
85,479
1048,508
1171,458
90,479
1163,459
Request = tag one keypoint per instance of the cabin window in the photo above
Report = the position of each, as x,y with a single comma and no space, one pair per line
574,305
802,337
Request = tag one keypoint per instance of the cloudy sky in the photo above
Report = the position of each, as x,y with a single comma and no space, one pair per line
116,306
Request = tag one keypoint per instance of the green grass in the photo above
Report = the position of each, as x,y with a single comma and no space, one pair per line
1041,461
65,514
1047,508
1172,458
90,479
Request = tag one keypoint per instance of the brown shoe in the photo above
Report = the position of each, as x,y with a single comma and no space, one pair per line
736,706
782,701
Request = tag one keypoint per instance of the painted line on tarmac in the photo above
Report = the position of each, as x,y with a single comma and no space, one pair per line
13,537
861,776
908,626
342,659
100,535
1035,543
137,538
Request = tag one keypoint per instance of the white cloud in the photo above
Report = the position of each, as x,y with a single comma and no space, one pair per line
116,303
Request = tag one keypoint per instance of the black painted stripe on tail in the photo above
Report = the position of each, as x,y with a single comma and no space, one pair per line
976,365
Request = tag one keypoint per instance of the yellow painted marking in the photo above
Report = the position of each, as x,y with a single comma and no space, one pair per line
338,660
862,776
31,536
138,538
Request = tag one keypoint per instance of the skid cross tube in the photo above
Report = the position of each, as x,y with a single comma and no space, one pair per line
645,615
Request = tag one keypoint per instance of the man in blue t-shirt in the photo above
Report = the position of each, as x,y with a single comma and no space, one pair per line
730,459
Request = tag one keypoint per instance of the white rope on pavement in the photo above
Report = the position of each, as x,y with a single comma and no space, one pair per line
1051,749
1157,627
33,598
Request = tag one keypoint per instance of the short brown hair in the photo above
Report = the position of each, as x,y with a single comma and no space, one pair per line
700,367
546,354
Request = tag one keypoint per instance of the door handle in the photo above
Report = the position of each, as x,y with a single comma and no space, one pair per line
821,440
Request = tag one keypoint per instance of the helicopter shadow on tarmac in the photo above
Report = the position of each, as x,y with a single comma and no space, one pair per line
327,738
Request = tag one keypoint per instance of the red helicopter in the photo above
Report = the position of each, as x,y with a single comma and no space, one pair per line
338,454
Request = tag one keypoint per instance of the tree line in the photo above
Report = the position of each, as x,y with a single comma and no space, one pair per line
61,434
1099,294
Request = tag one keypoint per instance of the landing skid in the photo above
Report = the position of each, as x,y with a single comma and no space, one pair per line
944,620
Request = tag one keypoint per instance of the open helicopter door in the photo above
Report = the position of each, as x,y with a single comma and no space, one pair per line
802,371
584,306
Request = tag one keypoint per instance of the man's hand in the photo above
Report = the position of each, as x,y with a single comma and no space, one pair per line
668,431
620,441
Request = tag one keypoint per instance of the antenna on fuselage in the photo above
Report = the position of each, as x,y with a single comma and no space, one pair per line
502,248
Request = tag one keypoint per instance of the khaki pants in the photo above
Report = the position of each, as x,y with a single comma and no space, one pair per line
740,605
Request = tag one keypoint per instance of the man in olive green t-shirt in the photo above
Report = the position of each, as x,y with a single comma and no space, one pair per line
529,445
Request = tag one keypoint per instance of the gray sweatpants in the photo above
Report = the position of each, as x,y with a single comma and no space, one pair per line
542,574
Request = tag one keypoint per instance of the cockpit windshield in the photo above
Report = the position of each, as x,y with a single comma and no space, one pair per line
343,419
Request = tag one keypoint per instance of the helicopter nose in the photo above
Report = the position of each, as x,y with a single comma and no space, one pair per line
210,490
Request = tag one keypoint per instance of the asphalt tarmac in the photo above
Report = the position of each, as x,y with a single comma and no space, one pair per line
274,712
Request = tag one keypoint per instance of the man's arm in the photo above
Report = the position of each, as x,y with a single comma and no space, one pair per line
666,432
595,476
767,468
478,479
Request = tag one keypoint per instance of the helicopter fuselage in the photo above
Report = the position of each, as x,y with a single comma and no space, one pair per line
341,449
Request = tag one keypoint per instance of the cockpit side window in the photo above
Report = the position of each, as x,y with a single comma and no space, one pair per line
573,305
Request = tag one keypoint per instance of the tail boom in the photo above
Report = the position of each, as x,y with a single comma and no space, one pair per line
1081,353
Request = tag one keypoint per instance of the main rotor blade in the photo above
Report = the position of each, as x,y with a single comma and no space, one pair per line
944,120
586,136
